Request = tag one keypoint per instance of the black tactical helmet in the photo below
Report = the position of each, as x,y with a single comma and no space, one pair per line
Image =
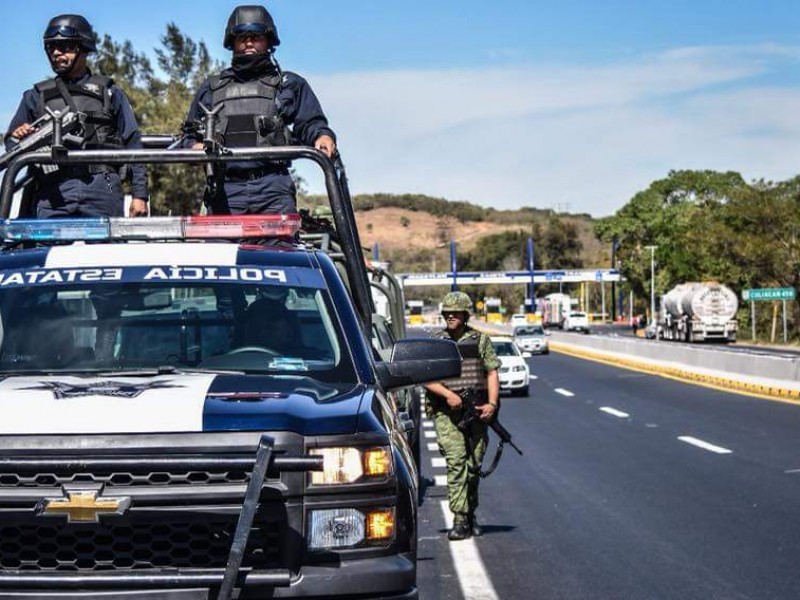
71,27
250,19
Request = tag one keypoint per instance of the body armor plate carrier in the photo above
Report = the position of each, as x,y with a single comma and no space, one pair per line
249,115
91,97
473,373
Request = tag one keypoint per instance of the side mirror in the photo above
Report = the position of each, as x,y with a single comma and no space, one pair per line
526,354
547,333
419,360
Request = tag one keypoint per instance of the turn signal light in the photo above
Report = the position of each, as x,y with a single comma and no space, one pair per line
377,462
380,525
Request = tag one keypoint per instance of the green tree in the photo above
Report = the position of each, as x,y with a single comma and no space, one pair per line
161,104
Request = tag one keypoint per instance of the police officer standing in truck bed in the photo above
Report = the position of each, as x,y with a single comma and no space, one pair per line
259,103
90,190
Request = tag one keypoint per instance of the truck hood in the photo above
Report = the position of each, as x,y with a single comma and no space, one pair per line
181,402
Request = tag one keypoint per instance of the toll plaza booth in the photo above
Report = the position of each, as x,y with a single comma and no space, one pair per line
493,308
533,315
415,318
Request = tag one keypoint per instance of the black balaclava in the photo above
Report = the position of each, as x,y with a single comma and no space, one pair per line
251,66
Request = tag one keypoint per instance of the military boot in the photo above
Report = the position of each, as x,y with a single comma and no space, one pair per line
460,531
475,528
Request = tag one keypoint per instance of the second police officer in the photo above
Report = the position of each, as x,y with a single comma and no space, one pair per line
259,102
91,190
463,451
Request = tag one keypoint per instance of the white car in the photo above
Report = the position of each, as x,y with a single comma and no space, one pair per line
514,372
576,321
519,319
531,339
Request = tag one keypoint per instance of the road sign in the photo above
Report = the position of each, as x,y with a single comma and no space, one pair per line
769,294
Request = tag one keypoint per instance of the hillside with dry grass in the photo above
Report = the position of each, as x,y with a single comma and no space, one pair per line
414,231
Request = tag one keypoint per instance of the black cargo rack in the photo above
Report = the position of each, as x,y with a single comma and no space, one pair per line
335,184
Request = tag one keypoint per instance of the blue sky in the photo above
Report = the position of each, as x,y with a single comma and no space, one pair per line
507,103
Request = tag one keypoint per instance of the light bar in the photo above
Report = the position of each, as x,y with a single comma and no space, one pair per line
151,228
47,230
242,226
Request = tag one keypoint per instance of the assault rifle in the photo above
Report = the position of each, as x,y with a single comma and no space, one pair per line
51,129
470,401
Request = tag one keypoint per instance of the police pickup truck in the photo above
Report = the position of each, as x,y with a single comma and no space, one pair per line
188,412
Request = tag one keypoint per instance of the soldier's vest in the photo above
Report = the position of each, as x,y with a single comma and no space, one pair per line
249,114
473,373
91,97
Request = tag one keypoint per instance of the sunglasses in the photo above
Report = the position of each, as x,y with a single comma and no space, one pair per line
454,315
62,46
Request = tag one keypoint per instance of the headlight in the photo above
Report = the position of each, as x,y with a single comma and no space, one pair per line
349,465
348,527
518,368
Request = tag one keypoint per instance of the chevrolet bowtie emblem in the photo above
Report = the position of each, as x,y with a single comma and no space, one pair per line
83,503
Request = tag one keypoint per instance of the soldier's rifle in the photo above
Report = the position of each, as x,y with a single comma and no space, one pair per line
470,401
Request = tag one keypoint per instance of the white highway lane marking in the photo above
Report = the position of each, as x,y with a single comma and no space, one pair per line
430,434
704,445
440,480
438,461
534,377
614,412
433,447
472,576
427,424
563,392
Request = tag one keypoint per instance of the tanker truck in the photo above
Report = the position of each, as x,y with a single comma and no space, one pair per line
698,312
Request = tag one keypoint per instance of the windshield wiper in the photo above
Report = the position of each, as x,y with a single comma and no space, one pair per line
163,370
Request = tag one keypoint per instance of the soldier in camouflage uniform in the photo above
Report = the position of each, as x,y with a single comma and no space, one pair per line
463,451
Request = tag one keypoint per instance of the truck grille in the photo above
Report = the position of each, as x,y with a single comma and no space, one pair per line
200,543
124,478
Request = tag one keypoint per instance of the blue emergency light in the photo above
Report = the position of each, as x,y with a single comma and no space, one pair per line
151,228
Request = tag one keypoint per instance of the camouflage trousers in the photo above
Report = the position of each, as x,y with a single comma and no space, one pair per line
462,483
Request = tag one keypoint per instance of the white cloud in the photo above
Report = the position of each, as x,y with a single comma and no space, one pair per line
555,134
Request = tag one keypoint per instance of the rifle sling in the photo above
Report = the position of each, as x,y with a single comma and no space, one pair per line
478,465
65,94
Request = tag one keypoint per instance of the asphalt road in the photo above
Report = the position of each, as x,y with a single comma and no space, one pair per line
608,502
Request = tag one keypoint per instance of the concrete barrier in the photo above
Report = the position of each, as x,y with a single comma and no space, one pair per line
766,375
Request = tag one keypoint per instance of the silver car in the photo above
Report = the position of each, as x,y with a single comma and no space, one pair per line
532,338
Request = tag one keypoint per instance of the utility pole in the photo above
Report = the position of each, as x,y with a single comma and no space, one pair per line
453,266
652,283
614,246
531,287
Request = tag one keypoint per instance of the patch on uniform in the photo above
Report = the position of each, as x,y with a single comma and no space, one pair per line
92,87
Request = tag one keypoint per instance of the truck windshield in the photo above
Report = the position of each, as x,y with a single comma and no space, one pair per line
261,328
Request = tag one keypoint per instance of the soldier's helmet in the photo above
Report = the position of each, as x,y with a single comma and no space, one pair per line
457,302
250,19
71,27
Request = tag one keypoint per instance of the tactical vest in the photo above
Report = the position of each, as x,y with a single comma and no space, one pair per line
93,98
249,115
473,373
